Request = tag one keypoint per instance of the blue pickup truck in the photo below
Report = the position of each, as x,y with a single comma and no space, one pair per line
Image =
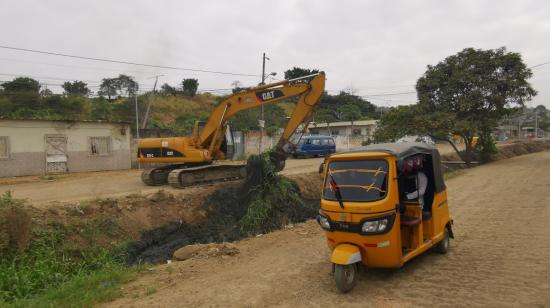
311,146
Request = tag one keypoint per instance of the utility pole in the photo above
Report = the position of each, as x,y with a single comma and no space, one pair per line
146,117
536,123
137,116
262,121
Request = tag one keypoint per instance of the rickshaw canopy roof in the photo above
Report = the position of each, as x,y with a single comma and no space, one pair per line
407,149
400,150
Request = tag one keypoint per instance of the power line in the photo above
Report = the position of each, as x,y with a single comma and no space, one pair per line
541,64
126,62
48,78
391,94
78,66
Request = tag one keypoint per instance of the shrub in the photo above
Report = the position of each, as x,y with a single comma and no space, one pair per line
15,225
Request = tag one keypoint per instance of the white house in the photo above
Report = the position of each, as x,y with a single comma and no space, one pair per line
37,147
357,128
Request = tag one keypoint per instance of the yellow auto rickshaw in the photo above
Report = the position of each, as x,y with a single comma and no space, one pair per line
381,206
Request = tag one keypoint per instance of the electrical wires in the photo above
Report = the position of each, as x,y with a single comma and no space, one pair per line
127,62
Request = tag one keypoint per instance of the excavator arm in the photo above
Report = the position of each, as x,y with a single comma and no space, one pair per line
308,88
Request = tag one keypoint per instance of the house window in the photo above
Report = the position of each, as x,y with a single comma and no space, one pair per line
357,131
100,146
4,147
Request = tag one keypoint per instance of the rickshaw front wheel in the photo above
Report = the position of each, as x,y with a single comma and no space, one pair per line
443,245
345,277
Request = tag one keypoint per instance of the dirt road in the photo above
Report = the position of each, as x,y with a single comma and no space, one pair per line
89,185
74,187
500,257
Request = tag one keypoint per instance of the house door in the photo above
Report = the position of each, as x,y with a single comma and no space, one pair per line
56,154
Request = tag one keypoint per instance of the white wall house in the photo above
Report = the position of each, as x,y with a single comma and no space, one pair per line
357,128
37,147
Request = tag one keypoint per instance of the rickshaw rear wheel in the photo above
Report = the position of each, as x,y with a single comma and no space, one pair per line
443,246
345,277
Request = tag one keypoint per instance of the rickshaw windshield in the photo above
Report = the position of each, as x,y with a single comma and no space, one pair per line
356,181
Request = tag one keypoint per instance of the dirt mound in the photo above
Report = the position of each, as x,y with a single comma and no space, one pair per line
204,251
505,150
521,148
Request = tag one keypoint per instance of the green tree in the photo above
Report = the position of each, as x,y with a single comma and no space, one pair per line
325,116
6,106
466,95
108,87
245,120
46,92
122,85
237,86
397,122
76,88
349,112
127,85
477,88
72,107
23,92
190,86
541,111
297,72
333,102
102,110
167,90
275,118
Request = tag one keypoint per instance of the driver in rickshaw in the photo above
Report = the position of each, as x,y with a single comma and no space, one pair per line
413,168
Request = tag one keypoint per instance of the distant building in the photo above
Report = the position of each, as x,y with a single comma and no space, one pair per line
38,147
357,128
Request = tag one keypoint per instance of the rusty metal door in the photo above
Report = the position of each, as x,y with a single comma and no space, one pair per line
56,154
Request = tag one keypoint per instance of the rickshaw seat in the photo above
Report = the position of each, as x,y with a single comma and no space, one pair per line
410,221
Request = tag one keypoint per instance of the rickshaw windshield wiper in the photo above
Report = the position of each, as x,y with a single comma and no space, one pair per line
337,192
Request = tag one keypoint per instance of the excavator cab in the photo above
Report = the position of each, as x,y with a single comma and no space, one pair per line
228,144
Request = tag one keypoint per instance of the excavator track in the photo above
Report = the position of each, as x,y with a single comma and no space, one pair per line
157,176
185,177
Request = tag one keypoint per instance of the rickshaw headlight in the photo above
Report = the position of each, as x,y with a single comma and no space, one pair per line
375,226
323,222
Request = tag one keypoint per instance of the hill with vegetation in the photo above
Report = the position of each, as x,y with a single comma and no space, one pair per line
174,108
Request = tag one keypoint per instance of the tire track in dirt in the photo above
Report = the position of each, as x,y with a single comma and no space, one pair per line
500,257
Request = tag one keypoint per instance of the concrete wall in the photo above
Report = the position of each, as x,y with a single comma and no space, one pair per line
27,146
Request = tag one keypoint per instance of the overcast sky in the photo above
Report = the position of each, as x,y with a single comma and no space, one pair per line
373,47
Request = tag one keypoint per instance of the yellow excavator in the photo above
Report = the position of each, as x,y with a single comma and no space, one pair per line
187,161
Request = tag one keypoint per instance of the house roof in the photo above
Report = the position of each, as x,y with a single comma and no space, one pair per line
64,120
344,123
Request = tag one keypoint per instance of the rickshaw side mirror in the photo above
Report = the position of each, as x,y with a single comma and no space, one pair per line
321,168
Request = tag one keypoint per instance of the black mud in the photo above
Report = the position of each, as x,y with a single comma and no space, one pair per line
231,216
